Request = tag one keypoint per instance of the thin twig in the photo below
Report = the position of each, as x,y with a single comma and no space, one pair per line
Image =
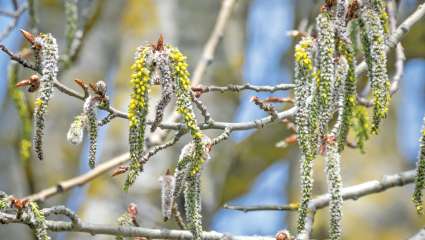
237,88
289,207
126,231
202,108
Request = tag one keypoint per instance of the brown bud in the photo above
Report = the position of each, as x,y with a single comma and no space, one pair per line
159,46
33,82
28,36
120,170
19,203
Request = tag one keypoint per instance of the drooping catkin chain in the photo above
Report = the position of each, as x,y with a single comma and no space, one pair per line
137,111
47,53
420,173
373,42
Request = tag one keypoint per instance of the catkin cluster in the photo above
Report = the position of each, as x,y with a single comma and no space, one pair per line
325,94
87,120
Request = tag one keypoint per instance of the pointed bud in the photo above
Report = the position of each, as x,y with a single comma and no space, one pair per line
28,36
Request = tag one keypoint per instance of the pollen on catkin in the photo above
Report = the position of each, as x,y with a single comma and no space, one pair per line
333,174
48,56
420,173
303,79
184,106
305,121
137,111
374,47
326,79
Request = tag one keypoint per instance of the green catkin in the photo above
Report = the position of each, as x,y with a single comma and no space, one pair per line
420,173
71,12
350,100
137,111
374,47
39,224
48,56
326,52
184,106
360,125
192,196
333,174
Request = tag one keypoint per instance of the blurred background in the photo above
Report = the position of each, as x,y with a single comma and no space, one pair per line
248,168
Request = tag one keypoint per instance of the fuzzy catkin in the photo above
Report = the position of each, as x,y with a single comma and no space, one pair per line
48,56
76,130
326,79
306,170
137,111
333,174
167,86
350,93
89,112
168,184
305,123
374,47
182,169
379,7
192,196
303,79
420,173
